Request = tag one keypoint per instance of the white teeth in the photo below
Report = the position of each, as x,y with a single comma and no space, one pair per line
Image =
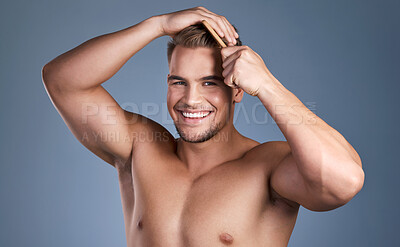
195,115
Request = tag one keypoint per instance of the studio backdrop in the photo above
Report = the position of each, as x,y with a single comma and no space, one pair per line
340,58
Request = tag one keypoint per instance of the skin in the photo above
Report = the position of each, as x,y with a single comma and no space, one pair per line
227,190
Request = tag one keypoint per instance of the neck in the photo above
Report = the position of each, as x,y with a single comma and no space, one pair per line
202,157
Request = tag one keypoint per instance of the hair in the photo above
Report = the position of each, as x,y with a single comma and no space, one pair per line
195,36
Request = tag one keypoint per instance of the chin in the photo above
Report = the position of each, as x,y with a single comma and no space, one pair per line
197,136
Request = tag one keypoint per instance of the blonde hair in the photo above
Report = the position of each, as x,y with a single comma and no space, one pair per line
195,36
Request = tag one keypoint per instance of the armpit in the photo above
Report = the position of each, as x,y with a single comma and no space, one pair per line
278,200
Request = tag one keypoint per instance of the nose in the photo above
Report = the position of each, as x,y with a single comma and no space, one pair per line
193,95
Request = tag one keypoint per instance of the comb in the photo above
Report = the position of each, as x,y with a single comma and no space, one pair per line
213,33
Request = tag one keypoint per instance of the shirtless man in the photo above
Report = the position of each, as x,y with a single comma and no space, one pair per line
212,186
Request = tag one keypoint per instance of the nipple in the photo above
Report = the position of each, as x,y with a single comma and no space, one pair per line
226,238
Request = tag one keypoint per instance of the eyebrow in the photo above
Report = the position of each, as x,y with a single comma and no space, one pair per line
210,77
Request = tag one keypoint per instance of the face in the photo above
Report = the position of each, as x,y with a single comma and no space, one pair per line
198,100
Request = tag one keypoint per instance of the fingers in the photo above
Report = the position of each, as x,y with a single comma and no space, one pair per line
228,51
232,57
220,24
218,27
232,31
231,36
228,75
228,69
230,80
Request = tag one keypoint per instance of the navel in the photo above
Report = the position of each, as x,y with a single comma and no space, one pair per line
226,238
140,224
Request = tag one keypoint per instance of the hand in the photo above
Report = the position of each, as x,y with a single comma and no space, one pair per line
244,68
173,23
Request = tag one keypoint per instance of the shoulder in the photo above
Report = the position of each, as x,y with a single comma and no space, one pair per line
152,134
270,149
147,136
269,153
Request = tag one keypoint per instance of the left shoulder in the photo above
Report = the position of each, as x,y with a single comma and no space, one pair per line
270,150
269,153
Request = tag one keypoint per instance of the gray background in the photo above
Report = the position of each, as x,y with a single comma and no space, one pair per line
338,57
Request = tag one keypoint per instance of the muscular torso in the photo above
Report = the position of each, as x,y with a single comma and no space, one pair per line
231,205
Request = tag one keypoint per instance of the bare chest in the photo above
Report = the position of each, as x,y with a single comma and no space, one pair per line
230,205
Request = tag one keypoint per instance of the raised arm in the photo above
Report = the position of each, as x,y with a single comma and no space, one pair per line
319,170
73,81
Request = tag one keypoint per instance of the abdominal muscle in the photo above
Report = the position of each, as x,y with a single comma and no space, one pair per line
229,206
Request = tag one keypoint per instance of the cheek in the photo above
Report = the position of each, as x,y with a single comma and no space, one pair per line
173,96
219,97
170,100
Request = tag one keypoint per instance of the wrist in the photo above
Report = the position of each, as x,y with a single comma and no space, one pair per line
157,22
272,89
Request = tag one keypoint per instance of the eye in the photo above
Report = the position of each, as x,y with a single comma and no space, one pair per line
179,83
209,83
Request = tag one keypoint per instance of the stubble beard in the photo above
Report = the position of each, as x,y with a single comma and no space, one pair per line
199,137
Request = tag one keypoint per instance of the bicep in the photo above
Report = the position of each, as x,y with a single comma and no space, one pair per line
97,121
288,182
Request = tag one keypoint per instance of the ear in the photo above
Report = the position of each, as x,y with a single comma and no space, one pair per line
237,95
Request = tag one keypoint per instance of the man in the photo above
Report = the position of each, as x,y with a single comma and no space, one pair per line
212,186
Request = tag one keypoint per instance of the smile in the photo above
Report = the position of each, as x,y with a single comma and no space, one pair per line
195,114
194,117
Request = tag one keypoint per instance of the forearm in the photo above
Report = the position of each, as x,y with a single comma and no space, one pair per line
98,59
323,156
